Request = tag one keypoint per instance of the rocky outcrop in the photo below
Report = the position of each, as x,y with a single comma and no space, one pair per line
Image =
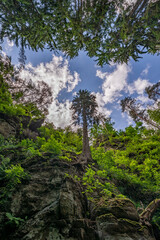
11,126
53,207
8,126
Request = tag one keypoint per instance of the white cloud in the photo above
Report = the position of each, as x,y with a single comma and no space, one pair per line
60,113
131,88
57,75
140,85
101,105
130,120
143,99
8,45
101,74
145,71
114,83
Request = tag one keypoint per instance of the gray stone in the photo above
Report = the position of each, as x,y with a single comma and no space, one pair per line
6,129
56,209
120,207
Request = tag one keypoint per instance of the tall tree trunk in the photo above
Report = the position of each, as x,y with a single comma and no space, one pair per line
86,152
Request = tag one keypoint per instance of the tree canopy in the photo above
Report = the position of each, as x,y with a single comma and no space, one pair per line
107,30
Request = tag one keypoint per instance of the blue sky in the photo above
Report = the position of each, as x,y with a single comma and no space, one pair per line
110,83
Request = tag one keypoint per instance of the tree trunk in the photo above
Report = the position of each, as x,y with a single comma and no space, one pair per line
147,214
86,152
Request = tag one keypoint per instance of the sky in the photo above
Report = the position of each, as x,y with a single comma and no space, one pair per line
110,83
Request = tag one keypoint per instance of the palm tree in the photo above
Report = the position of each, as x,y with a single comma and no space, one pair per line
84,108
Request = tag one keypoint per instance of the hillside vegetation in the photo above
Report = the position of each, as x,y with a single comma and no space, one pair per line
124,163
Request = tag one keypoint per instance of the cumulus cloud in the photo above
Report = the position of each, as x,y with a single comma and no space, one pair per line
114,83
60,113
57,75
101,105
138,86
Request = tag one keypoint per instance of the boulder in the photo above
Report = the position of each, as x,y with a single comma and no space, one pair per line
119,220
119,207
9,125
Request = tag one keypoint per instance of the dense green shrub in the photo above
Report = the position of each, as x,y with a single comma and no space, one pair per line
135,167
10,176
52,146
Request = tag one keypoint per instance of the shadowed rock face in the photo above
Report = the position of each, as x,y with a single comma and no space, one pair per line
55,209
10,126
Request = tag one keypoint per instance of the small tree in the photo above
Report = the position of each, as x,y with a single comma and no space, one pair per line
138,113
84,108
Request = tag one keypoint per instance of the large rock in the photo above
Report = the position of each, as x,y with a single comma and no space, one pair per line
118,220
113,228
31,124
8,125
119,207
11,126
53,205
54,208
6,129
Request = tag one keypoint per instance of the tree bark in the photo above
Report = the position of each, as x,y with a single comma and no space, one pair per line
86,152
147,214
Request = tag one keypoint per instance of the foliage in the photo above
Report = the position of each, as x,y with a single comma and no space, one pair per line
92,180
14,174
10,176
70,140
135,168
52,146
33,97
107,30
101,133
84,106
14,220
21,97
6,101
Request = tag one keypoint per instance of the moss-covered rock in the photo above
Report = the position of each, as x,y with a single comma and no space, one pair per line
113,228
119,207
52,207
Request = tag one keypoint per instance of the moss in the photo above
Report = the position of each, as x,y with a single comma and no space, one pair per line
134,223
120,201
142,228
105,217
